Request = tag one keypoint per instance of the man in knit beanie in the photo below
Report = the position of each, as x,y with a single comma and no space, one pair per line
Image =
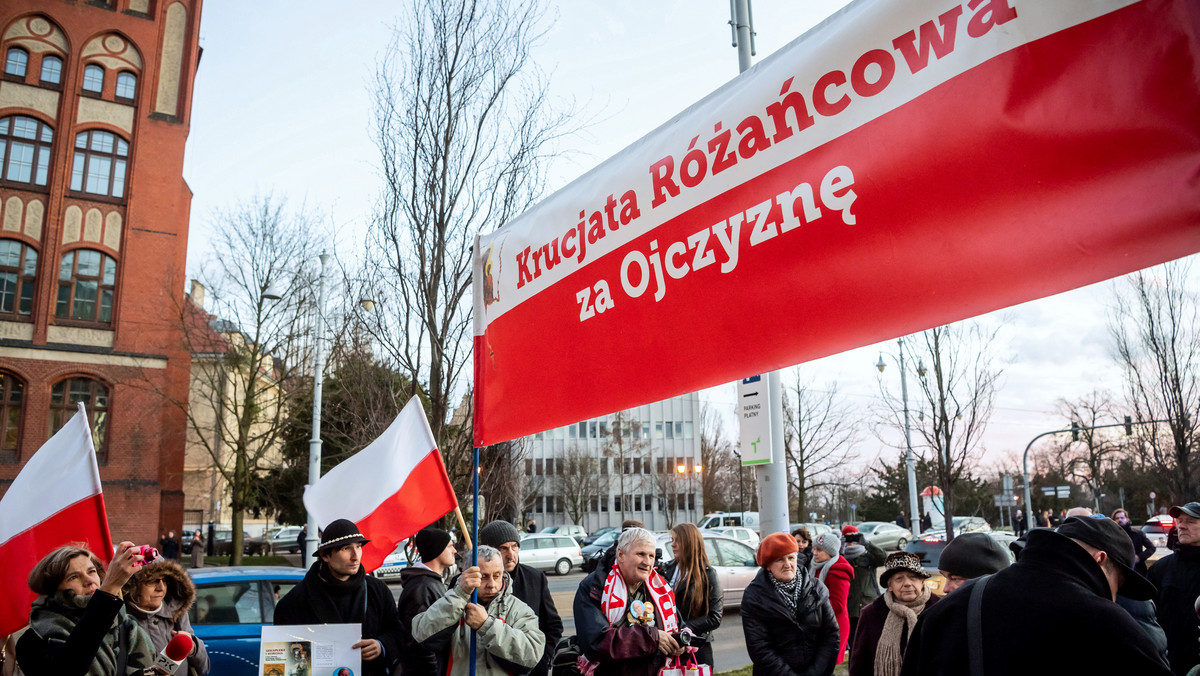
528,584
422,585
969,556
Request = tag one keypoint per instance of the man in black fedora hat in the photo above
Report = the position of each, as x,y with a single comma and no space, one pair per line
337,590
1060,594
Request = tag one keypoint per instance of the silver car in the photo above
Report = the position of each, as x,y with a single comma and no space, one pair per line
545,551
733,561
738,533
885,535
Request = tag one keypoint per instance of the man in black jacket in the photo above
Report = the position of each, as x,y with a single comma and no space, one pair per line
528,584
1060,595
423,585
337,590
1178,580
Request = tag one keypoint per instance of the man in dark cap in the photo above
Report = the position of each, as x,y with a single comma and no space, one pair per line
423,584
337,590
528,584
969,556
1178,580
1063,586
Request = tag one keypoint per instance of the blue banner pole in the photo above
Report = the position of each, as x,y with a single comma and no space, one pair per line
475,548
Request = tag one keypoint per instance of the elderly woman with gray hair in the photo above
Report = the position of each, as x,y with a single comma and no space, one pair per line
886,625
508,638
625,616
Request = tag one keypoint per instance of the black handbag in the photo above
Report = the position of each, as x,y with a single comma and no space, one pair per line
566,657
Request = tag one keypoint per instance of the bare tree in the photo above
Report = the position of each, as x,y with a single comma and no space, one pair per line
463,128
249,352
625,445
720,467
579,481
818,437
670,487
1094,447
502,482
1156,334
958,390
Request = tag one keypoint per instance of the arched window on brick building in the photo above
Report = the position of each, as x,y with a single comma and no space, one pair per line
12,393
126,86
16,61
93,78
64,399
86,282
18,270
25,150
51,69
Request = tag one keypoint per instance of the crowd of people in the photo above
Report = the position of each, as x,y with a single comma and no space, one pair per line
1078,599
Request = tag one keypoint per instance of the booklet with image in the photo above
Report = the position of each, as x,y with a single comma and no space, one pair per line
310,650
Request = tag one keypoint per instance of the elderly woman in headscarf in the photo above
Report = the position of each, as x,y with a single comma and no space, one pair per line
789,625
77,623
885,625
836,573
158,596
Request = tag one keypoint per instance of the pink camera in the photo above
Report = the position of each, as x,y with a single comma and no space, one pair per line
147,553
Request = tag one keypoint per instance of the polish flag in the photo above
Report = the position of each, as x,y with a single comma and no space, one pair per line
55,500
391,489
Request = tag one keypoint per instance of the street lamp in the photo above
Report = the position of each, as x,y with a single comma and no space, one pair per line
314,444
912,469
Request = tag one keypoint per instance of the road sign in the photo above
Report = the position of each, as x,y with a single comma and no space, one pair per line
1062,492
1004,500
755,419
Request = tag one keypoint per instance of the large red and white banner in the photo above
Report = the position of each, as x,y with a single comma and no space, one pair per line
906,164
54,501
391,489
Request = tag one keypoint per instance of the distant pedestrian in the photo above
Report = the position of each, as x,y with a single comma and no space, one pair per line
531,527
805,547
969,556
168,546
835,572
1143,549
886,626
926,522
197,549
787,620
902,520
1062,586
302,541
1020,524
1043,519
865,558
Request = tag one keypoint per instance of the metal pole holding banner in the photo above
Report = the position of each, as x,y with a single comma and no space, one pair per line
314,444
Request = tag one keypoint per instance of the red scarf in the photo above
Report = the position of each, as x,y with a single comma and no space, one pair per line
614,604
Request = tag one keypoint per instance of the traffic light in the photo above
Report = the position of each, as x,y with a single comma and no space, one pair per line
1128,426
1074,431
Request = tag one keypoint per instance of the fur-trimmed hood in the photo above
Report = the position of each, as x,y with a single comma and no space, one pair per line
181,593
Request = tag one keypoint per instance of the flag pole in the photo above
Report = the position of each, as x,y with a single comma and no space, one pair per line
462,527
477,306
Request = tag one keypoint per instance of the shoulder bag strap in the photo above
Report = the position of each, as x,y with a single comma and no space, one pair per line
975,627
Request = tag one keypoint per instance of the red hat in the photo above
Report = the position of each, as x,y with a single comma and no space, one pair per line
849,528
775,546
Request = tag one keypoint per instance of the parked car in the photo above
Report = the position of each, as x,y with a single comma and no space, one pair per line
595,551
223,542
719,519
886,535
733,561
259,545
284,539
971,524
814,529
551,552
570,530
232,606
1157,528
745,535
186,537
595,535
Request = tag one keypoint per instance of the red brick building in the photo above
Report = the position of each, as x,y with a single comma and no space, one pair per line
95,101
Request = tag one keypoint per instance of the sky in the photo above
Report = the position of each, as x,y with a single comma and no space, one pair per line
282,106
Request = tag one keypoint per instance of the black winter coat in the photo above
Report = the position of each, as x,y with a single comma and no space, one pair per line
628,651
1143,549
38,656
421,587
706,621
1177,578
783,643
362,599
531,586
1057,601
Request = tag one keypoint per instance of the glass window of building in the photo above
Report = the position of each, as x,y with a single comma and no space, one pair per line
64,402
18,271
126,85
12,393
93,79
51,69
16,62
86,282
99,165
25,150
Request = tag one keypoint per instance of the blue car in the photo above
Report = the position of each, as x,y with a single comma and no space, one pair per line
232,605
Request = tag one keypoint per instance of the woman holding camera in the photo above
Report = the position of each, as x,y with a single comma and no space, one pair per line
698,593
78,624
158,596
786,617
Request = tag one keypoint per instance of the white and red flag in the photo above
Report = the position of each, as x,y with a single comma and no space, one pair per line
55,500
391,489
905,164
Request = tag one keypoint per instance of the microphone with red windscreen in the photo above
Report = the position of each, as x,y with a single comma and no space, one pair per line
177,650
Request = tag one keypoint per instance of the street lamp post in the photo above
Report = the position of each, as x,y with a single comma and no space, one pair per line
912,468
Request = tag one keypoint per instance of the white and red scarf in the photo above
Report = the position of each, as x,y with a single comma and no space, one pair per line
614,604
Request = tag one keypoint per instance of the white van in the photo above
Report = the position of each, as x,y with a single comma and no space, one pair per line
722,519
